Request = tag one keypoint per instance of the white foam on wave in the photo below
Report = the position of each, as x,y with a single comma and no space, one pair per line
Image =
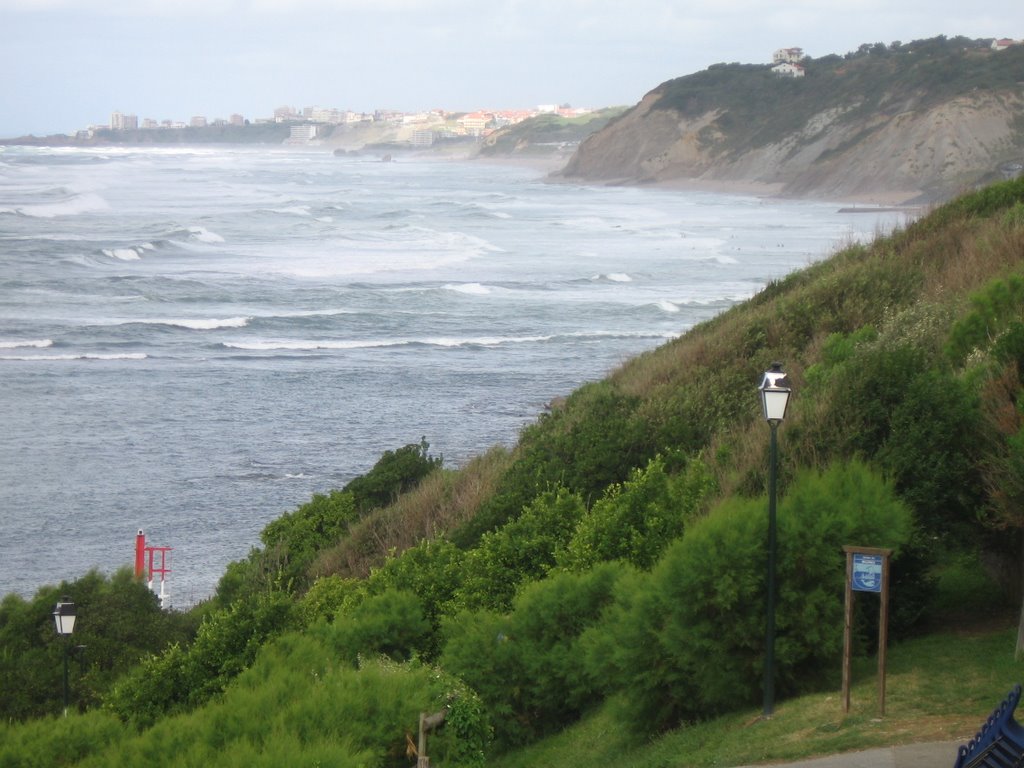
73,206
483,341
298,345
19,344
197,324
667,306
614,277
204,235
69,357
305,346
472,289
124,254
293,210
645,334
284,313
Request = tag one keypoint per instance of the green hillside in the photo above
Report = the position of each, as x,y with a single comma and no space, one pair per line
874,82
545,134
608,572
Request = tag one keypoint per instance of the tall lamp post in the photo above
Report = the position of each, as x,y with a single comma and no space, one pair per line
64,618
775,392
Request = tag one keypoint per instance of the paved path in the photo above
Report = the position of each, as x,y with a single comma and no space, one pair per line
932,755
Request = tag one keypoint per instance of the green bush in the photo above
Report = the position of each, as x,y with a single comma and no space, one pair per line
433,570
330,596
181,678
636,520
688,641
394,473
587,443
297,705
994,309
523,550
57,741
292,541
526,665
391,624
932,452
119,623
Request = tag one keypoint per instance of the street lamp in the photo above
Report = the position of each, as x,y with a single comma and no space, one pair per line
775,392
64,619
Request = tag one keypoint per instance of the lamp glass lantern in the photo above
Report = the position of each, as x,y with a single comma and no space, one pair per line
64,617
775,392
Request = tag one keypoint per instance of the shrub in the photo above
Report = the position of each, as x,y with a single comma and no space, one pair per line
526,666
932,452
688,640
391,624
46,742
120,622
523,550
180,679
394,473
330,596
635,521
293,540
994,310
296,705
433,570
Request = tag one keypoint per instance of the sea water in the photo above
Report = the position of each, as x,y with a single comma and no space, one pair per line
194,341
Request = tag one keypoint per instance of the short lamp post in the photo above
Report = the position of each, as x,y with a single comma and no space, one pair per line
775,392
64,618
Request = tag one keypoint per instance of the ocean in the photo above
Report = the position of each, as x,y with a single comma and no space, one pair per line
194,341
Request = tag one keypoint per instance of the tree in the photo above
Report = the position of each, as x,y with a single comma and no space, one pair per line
119,623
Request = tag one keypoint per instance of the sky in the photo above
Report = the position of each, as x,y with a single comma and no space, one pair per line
68,64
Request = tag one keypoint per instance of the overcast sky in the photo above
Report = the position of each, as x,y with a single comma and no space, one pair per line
66,64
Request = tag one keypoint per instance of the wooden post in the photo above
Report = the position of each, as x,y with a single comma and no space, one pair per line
428,723
883,631
847,631
866,579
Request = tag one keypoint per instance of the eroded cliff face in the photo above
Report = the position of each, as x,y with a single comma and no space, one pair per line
916,154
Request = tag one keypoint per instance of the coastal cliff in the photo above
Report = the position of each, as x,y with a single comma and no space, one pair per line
916,122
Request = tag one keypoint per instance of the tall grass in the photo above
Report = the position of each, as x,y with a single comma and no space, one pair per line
441,502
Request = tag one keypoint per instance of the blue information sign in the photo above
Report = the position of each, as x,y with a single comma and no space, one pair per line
867,573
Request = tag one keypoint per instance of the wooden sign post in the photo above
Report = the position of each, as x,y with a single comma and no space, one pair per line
867,570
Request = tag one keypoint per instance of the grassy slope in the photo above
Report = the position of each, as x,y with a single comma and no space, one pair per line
938,688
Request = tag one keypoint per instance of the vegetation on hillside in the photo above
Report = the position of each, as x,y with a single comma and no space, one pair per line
545,134
612,561
758,107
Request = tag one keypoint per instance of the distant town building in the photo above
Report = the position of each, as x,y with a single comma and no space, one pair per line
474,123
788,70
198,121
788,56
236,120
326,115
122,122
306,132
422,137
282,114
1003,43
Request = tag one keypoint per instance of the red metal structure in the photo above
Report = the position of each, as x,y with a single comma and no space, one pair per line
146,565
